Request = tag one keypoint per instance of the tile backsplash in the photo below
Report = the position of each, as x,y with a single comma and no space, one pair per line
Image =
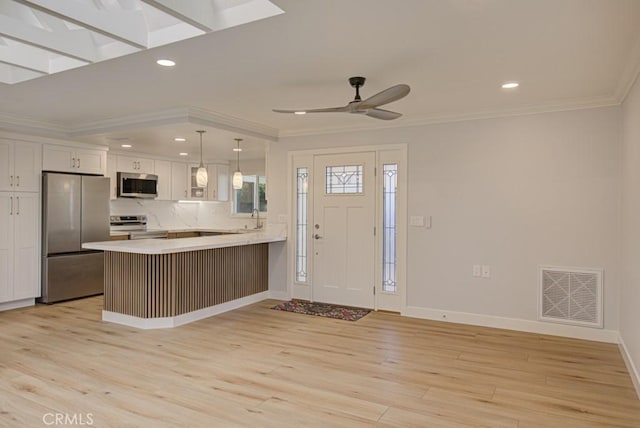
179,215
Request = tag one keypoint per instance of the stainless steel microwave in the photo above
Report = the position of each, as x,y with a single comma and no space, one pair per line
135,185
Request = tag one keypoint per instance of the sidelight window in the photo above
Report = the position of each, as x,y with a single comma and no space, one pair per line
302,219
389,226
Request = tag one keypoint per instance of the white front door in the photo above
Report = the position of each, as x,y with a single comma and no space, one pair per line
343,229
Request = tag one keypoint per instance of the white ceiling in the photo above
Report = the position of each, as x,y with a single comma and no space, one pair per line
453,53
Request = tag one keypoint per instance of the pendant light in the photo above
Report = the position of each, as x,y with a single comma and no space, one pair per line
237,176
202,177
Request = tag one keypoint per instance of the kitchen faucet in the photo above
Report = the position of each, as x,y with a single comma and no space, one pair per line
258,222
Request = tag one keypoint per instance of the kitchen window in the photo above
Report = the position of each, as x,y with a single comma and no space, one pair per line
251,196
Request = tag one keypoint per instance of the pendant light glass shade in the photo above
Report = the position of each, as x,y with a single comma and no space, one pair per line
237,176
202,177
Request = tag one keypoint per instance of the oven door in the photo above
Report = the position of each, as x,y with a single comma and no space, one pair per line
137,185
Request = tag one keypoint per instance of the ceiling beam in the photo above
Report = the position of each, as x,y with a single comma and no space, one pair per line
126,26
27,57
68,44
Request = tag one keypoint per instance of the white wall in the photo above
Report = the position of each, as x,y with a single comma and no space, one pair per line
512,193
630,288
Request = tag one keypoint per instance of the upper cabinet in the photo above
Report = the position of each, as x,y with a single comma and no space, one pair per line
74,159
163,171
20,166
135,164
218,185
179,182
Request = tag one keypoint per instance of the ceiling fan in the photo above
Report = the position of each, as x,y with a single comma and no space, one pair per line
367,107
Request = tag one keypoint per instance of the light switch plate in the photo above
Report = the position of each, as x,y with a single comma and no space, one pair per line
486,271
477,271
416,220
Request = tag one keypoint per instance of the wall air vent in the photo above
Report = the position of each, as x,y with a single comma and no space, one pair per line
570,296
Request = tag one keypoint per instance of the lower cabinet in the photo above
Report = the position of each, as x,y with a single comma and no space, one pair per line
19,244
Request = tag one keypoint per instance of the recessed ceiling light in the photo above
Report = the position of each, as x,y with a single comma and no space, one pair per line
300,112
166,62
184,154
180,139
237,149
510,85
126,146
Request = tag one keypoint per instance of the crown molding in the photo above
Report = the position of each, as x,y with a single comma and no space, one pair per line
490,114
230,123
25,125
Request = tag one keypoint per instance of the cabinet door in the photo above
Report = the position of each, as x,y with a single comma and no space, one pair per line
212,184
146,166
26,278
6,246
127,164
223,183
27,167
195,192
163,171
6,165
178,181
113,176
91,161
58,158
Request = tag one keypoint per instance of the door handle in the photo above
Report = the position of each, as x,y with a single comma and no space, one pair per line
316,236
18,202
11,206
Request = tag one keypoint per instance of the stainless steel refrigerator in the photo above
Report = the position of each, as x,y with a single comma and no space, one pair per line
75,209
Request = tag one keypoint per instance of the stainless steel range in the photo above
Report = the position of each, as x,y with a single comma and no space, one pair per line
136,226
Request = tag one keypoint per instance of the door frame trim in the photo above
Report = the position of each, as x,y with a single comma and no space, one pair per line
304,158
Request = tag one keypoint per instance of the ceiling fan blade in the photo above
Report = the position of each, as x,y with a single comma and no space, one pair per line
387,96
379,113
315,110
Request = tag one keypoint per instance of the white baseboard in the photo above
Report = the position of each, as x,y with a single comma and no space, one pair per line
633,371
170,322
6,306
278,295
599,335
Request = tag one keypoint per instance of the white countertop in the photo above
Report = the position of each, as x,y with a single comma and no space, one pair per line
167,246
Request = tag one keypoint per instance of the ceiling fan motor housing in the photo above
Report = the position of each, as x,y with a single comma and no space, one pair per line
357,82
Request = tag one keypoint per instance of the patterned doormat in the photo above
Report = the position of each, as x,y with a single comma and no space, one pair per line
322,310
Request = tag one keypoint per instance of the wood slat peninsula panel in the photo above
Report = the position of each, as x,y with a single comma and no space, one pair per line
167,285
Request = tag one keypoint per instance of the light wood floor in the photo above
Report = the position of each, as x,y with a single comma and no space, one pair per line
258,367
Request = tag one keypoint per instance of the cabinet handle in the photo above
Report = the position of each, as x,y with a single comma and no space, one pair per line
185,193
73,162
11,206
11,180
18,203
17,181
78,162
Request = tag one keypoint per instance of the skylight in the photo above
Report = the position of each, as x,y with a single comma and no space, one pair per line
41,37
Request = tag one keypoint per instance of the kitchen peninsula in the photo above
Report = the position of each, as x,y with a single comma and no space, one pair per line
161,283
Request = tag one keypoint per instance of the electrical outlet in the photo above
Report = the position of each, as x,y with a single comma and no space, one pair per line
477,271
486,271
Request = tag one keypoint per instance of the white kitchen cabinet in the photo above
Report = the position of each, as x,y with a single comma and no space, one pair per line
113,176
19,243
73,159
135,164
20,166
179,182
196,192
218,185
163,171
